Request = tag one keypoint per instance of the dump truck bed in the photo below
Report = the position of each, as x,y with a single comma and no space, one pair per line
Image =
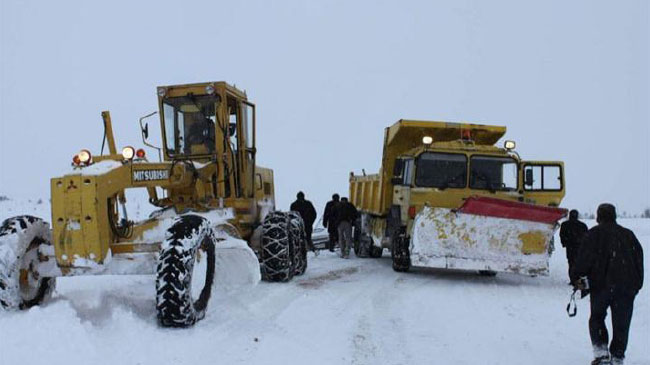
365,193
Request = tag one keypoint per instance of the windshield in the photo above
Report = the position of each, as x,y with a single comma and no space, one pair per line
189,125
493,173
441,170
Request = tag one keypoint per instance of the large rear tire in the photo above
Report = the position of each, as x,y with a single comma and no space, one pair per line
299,242
400,254
23,242
189,240
277,251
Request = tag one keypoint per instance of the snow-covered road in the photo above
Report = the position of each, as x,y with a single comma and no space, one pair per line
356,311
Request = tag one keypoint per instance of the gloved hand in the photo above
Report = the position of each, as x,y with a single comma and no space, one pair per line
580,284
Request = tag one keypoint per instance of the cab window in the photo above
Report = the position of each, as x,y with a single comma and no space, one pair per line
189,125
403,172
543,177
493,173
441,170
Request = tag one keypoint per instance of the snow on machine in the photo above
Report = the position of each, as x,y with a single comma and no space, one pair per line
447,197
212,199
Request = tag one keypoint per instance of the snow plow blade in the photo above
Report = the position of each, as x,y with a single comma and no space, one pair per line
486,234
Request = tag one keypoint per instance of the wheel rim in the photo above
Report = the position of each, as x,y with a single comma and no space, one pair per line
202,275
29,279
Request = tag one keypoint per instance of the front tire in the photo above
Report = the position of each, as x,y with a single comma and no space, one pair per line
22,242
277,251
374,251
188,240
400,254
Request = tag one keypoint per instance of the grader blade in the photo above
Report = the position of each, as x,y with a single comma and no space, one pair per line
486,234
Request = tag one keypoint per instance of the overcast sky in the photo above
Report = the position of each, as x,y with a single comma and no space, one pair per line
568,78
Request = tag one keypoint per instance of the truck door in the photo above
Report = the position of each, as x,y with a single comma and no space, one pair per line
543,182
402,181
248,158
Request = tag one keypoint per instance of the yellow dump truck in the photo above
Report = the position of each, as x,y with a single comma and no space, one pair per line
448,197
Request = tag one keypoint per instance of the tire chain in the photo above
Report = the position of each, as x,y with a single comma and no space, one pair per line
277,251
299,241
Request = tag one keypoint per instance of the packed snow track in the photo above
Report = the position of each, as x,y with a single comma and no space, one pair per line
356,311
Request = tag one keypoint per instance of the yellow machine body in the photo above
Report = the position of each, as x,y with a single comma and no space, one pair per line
209,170
393,199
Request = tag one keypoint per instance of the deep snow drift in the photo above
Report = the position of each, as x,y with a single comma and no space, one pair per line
356,311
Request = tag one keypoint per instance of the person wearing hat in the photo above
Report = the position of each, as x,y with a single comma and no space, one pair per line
308,214
611,259
571,233
329,221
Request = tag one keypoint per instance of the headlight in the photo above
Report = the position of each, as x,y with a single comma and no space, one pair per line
84,157
128,152
509,145
209,89
162,92
427,139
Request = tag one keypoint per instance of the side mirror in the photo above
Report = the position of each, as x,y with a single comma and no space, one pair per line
145,131
144,128
528,177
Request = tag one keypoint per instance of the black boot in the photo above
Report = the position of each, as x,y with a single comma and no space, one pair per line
601,360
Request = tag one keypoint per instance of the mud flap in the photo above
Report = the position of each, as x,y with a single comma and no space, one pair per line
484,238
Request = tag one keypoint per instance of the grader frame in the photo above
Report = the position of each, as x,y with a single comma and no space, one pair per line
208,189
85,204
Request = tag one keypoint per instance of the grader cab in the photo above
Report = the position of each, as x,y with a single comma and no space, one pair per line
207,188
447,197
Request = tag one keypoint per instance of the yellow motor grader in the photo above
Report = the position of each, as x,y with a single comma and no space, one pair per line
448,197
207,188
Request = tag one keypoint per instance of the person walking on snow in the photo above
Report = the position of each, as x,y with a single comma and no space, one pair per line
329,221
308,214
346,214
571,233
611,258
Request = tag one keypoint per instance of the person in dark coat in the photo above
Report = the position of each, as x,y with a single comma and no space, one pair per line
329,221
308,214
346,214
571,233
611,258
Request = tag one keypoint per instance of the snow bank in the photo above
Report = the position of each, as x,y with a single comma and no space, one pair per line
356,311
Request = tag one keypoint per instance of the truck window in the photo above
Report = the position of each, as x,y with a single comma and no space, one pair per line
441,170
403,172
543,177
408,172
493,173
